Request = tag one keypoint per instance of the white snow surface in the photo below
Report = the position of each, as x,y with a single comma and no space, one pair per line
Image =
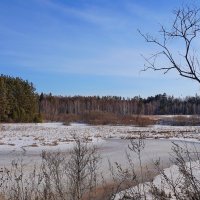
53,135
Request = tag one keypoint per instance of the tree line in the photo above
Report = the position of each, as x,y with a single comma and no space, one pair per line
161,104
20,103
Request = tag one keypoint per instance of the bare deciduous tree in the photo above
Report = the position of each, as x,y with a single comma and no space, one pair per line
184,30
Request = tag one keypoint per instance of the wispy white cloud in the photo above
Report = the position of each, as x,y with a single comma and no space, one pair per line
97,15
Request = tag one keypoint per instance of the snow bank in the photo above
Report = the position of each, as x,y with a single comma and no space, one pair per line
173,174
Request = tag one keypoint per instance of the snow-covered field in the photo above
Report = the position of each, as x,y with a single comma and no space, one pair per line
53,135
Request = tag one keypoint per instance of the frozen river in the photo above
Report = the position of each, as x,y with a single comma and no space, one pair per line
113,150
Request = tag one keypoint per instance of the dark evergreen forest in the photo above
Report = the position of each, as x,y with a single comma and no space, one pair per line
18,100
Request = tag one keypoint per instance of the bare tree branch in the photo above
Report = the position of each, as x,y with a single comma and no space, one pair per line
185,28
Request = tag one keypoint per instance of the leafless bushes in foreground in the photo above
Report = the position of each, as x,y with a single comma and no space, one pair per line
76,177
57,178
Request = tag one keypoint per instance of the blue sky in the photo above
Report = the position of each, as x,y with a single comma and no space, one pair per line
86,47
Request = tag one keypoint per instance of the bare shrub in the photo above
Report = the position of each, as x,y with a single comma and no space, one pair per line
126,178
17,185
54,184
185,185
82,170
73,178
59,177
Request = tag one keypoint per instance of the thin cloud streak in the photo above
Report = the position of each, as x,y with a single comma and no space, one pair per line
97,15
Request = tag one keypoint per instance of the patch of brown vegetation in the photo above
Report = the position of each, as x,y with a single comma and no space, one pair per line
2,197
107,118
65,118
33,145
105,190
182,120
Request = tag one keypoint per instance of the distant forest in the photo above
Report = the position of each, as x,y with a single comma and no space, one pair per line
56,107
20,103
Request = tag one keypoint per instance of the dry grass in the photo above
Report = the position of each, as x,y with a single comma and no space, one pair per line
54,143
2,197
33,145
142,121
108,118
105,118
